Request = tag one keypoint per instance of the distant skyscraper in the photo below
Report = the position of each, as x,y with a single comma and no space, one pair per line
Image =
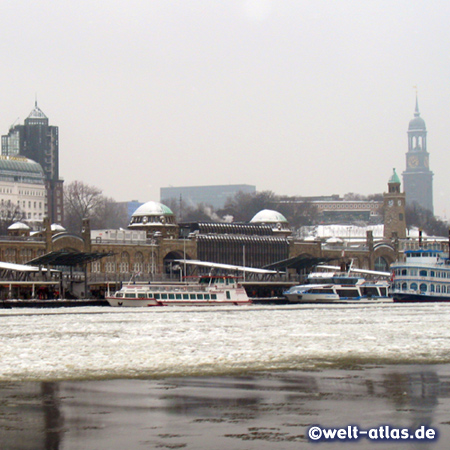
38,141
418,178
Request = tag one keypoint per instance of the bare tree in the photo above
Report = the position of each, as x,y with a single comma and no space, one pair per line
82,200
244,206
9,214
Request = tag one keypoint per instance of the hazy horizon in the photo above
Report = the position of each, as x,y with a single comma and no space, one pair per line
300,98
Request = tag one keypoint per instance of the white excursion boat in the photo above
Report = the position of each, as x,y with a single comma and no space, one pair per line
208,290
423,276
334,287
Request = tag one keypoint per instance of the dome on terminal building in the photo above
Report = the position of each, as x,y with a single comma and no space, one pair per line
269,216
279,223
57,228
19,229
153,209
153,217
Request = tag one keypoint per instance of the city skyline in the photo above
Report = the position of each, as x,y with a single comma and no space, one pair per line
296,98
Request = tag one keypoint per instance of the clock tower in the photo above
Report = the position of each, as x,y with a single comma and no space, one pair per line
394,209
418,178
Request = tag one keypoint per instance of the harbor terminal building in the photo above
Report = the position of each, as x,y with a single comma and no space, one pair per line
154,245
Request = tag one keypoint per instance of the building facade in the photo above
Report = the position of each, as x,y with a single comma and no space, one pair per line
418,178
39,141
22,190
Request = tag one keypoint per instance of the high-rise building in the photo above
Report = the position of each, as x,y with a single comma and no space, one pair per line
38,141
418,178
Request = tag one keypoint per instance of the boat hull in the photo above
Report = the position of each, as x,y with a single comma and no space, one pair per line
418,298
312,298
147,302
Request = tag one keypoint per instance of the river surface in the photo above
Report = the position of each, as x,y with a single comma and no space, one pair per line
253,377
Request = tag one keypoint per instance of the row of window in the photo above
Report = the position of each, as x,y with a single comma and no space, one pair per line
422,273
438,288
123,267
348,206
32,193
158,296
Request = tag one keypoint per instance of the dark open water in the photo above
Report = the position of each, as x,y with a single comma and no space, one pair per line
258,411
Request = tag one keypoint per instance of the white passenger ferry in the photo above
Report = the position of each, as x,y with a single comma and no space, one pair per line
332,287
422,276
208,290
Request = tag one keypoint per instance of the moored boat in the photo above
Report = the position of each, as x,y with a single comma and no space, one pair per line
332,287
209,290
421,276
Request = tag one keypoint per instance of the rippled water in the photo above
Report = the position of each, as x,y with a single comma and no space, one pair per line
221,378
264,411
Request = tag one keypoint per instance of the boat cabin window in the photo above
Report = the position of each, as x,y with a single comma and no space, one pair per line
163,296
199,296
347,293
185,296
119,294
156,296
142,295
423,287
171,296
370,291
432,288
423,273
206,296
404,286
133,295
345,280
404,272
192,296
432,273
213,296
178,296
414,286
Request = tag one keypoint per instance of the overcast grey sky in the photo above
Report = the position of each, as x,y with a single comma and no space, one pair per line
298,97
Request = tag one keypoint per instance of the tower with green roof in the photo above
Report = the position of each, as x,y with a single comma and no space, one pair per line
394,209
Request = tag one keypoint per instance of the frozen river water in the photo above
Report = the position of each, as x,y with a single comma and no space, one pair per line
234,378
93,343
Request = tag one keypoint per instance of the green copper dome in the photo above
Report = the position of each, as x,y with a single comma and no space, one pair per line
394,178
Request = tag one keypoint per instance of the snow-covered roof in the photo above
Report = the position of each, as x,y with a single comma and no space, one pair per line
268,216
19,226
153,209
57,227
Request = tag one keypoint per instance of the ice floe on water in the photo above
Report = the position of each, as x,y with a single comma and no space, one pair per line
90,343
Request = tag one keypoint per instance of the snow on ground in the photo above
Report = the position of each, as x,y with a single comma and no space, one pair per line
92,343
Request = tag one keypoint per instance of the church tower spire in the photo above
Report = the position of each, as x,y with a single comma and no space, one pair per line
418,178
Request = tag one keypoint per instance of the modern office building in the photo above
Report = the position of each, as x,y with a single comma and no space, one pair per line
215,196
418,178
39,141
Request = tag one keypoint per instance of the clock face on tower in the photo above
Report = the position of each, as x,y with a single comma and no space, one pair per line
413,161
